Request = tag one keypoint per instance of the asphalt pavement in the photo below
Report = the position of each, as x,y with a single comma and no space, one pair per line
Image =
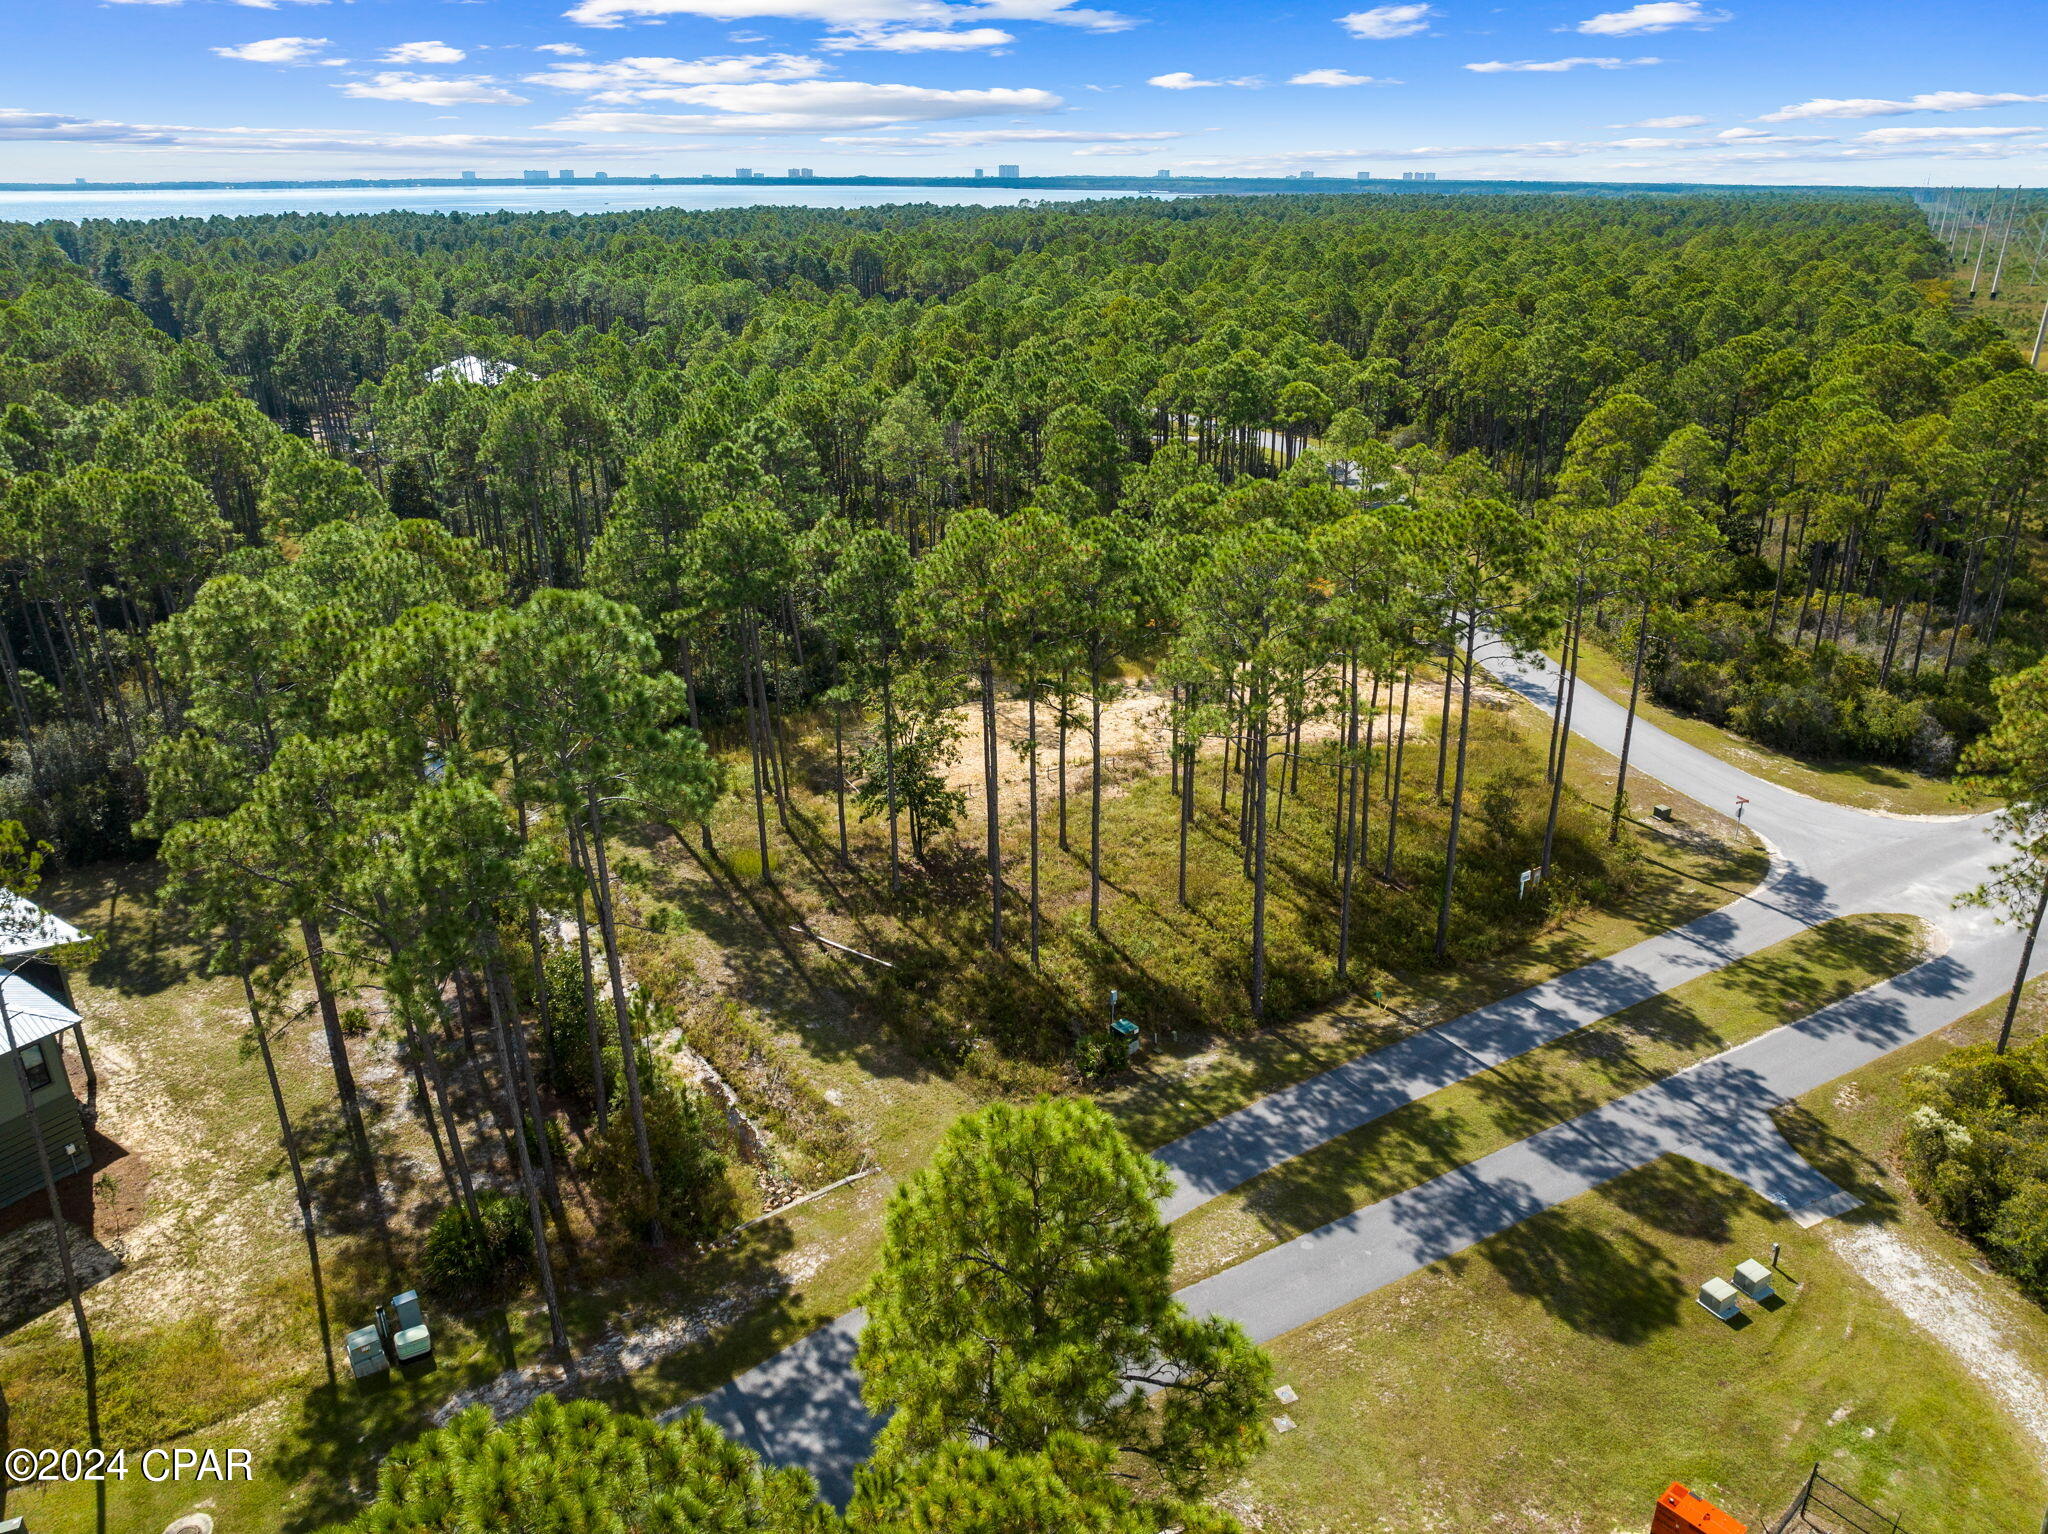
803,1406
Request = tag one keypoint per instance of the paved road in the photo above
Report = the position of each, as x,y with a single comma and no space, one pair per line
803,1406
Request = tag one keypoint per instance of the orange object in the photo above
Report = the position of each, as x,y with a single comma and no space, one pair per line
1680,1512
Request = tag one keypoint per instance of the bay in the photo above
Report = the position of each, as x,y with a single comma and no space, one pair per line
553,197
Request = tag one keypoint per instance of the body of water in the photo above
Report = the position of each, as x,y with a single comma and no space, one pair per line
552,197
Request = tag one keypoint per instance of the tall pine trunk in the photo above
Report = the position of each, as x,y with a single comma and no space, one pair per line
291,1156
1568,696
1628,728
1095,790
608,927
1394,770
889,781
1191,745
593,1030
1031,760
1443,910
990,806
508,1075
1255,784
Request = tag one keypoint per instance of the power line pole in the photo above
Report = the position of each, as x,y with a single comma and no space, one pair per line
2011,216
1983,239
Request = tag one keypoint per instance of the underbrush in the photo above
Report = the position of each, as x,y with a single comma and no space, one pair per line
1015,1023
814,1140
1870,691
1976,1150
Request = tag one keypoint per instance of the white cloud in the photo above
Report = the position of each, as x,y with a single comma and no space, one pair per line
1335,77
1876,106
1666,122
655,79
918,39
1114,149
1385,22
431,90
565,50
812,106
1553,66
853,15
424,53
57,127
1759,136
1935,135
17,126
276,50
970,137
1658,16
1181,80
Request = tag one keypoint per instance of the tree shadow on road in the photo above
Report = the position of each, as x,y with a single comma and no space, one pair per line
1403,1150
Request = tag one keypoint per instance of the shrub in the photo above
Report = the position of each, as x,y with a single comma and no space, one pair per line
584,1466
467,1260
691,1193
1976,1151
566,1023
1100,1054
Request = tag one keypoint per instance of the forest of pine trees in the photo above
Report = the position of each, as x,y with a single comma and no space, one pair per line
380,661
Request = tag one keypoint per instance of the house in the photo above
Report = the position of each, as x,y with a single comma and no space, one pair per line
476,370
32,1027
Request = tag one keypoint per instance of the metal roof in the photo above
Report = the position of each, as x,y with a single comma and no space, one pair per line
474,369
26,927
30,1014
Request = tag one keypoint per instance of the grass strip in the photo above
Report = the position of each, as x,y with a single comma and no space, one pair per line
1549,1085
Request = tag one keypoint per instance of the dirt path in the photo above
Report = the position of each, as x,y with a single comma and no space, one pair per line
1953,1310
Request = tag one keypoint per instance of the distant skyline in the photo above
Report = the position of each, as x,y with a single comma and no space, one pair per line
1669,90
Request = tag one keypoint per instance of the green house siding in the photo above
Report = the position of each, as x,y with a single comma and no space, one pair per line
19,1174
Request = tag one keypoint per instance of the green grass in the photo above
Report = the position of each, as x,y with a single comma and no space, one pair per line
1861,785
819,1030
1558,1376
1549,1085
1177,968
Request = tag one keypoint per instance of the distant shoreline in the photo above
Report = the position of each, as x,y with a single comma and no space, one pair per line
1374,183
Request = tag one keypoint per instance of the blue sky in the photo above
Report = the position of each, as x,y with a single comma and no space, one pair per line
1776,91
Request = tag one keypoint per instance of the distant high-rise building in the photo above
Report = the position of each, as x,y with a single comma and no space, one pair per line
565,174
603,175
1418,175
1304,175
743,174
980,174
801,173
1163,175
1365,175
469,175
1006,172
80,180
533,175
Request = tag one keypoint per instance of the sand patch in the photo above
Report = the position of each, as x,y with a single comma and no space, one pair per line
1953,1310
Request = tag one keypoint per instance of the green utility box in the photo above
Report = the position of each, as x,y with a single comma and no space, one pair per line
410,1338
366,1354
